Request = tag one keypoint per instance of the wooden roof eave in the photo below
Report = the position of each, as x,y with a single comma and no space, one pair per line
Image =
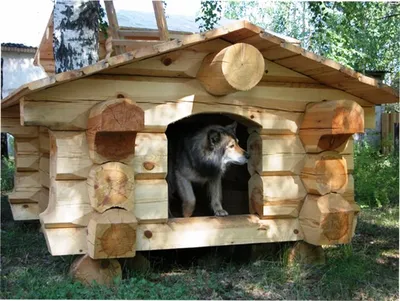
290,56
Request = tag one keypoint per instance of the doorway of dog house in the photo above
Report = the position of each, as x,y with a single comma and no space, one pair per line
235,199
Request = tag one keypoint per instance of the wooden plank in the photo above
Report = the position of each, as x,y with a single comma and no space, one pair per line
215,231
161,21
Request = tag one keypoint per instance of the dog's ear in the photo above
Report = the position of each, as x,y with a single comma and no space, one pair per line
214,137
232,127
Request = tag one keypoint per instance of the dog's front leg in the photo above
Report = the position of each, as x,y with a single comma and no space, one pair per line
215,191
185,191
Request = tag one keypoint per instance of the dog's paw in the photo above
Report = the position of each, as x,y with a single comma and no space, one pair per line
187,209
221,212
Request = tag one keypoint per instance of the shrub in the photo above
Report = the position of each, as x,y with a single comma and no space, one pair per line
376,176
7,174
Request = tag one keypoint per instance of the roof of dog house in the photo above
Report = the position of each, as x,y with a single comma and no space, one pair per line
315,70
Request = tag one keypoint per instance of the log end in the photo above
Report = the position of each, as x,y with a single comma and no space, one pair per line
112,235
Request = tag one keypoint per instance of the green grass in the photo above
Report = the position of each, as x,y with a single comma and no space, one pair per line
366,269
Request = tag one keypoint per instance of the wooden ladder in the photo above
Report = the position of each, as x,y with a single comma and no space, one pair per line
126,39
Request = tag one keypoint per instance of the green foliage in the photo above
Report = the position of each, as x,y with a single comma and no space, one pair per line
376,176
210,14
361,35
7,174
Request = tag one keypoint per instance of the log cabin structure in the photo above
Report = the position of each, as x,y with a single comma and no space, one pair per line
92,144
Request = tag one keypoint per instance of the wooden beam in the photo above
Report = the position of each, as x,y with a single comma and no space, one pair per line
160,19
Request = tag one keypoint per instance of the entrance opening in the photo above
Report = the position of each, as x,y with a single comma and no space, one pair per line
235,198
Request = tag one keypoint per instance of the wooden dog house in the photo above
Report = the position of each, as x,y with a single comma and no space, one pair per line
91,149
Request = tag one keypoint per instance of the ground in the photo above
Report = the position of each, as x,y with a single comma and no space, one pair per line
366,269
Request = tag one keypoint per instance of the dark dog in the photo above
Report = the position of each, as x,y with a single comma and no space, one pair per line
202,157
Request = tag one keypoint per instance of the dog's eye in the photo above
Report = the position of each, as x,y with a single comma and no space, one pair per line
232,146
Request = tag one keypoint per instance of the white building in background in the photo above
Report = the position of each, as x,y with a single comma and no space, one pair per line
17,67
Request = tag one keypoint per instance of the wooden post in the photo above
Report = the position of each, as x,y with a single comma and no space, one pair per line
160,19
238,67
114,27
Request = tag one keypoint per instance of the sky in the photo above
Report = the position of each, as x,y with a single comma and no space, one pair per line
24,21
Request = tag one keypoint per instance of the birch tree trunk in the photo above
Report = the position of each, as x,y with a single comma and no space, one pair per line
75,37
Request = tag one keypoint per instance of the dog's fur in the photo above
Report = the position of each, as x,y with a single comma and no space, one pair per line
202,157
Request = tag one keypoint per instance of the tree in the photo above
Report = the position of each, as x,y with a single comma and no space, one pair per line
209,15
75,37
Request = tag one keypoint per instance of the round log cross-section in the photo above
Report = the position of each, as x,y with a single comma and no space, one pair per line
111,185
112,234
239,67
325,173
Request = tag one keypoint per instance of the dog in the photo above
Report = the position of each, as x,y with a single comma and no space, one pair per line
202,157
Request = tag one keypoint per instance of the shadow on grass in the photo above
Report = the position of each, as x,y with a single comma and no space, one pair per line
356,271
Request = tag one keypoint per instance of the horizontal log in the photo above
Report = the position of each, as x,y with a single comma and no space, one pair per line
215,231
70,155
25,180
14,127
77,97
21,196
275,154
151,201
186,233
43,199
68,204
274,196
72,158
26,145
27,162
25,211
150,160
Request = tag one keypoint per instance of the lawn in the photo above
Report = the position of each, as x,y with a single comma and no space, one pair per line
366,269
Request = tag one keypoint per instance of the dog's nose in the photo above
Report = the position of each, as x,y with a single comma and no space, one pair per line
246,155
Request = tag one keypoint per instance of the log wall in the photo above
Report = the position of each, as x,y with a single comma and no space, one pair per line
280,142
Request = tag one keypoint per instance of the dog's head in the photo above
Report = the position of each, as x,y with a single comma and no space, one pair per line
223,141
